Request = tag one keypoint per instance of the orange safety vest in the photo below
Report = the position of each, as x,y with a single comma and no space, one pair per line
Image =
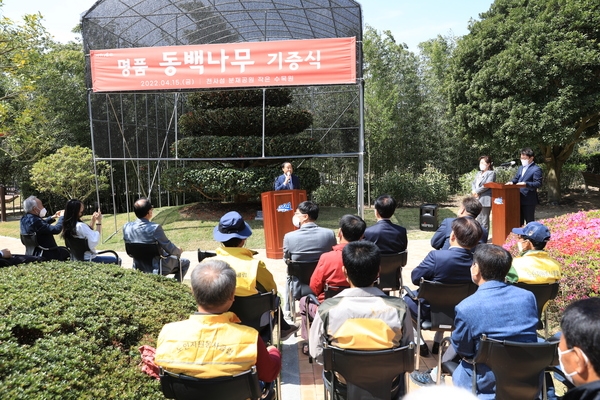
207,346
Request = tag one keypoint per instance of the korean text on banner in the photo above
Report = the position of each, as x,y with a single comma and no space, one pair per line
211,66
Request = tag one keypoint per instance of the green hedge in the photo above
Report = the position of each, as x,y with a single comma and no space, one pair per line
223,147
245,121
240,98
431,186
223,183
336,195
70,330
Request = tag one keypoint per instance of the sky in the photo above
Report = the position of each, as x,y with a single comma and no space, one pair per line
410,21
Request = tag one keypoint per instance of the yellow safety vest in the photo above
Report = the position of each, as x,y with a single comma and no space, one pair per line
207,346
246,268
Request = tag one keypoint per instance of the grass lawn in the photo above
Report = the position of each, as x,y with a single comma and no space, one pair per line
191,232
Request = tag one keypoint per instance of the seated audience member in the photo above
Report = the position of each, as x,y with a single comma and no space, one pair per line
143,231
307,243
534,265
287,180
212,342
310,241
446,266
579,349
497,309
361,317
8,259
389,237
34,222
329,269
73,227
470,208
252,274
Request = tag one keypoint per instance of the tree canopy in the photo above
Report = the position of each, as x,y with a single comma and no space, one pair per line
528,74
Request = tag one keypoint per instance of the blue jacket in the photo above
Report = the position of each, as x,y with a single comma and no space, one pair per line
446,266
44,231
533,180
143,231
389,237
294,184
441,237
501,311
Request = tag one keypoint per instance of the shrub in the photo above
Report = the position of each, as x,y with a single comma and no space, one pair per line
222,183
431,186
575,245
336,195
71,330
279,97
251,146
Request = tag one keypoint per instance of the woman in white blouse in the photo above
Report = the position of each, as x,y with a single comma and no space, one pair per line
486,174
74,227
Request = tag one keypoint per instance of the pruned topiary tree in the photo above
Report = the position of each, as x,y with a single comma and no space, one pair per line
229,124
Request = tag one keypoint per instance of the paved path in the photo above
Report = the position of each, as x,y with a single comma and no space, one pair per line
300,380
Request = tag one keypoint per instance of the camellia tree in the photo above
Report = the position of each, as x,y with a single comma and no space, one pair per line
528,75
70,173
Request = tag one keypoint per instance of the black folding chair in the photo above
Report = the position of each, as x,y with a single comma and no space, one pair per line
258,311
299,273
237,387
543,294
518,367
78,247
442,299
390,276
373,374
33,248
143,255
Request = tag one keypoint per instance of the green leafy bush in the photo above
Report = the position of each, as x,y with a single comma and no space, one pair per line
245,121
431,186
251,146
336,195
222,183
71,330
241,98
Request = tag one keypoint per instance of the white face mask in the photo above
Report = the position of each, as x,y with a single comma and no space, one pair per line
482,166
520,246
296,221
43,212
525,162
568,375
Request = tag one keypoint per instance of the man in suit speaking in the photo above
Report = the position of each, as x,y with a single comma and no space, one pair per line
529,176
287,180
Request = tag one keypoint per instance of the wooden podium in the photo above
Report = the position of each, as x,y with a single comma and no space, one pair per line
506,210
278,209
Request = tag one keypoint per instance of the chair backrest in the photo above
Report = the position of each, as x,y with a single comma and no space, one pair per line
238,387
442,299
518,367
299,273
205,254
390,276
331,291
77,247
368,374
543,294
31,244
256,311
143,254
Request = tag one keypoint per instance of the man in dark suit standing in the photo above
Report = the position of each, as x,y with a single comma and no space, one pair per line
530,177
287,180
389,237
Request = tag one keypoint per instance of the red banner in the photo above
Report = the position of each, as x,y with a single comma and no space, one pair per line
211,66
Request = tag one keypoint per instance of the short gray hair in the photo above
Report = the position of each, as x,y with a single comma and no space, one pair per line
29,204
213,283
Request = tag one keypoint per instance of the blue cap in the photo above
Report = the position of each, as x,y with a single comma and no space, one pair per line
231,225
535,231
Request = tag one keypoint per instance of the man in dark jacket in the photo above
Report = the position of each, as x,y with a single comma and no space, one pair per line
35,222
579,349
529,177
